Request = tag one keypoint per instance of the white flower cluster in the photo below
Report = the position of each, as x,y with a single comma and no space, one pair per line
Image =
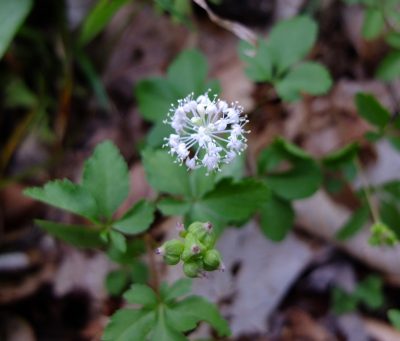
208,132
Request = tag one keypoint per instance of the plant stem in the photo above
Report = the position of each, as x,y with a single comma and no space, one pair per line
154,281
366,188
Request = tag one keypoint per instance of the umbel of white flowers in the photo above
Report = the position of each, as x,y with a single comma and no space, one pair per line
208,132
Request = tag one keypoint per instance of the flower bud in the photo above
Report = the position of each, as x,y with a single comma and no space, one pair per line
171,259
192,269
212,260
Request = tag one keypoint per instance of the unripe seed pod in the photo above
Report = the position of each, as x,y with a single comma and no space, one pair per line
212,260
193,248
196,227
192,269
171,259
381,234
209,240
202,231
174,247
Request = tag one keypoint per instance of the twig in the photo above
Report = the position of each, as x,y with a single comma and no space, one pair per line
239,30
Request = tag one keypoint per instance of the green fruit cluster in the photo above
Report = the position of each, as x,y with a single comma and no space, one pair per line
196,250
381,235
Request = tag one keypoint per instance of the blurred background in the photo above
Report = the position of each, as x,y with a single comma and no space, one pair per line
68,74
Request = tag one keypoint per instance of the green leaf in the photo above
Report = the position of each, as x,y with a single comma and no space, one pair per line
76,235
98,18
367,3
141,294
184,315
394,141
118,241
394,318
93,77
134,248
18,95
349,170
178,289
258,60
290,150
277,218
333,185
291,40
188,73
354,224
65,195
12,15
390,215
200,183
139,272
373,23
389,68
342,302
171,206
269,159
301,181
230,201
106,177
308,77
129,325
235,169
155,96
371,110
163,330
373,136
155,137
163,174
179,10
393,39
116,281
137,219
392,188
369,291
341,156
162,318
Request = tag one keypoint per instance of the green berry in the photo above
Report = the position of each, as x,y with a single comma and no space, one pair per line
193,248
171,260
174,247
209,240
203,232
381,234
192,269
196,227
200,230
212,260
